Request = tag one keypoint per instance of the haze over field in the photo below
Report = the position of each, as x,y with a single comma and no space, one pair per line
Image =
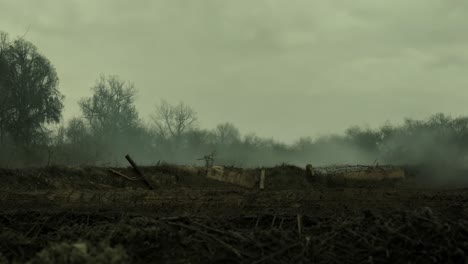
284,69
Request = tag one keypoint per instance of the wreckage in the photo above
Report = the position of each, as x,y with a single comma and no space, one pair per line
332,175
281,177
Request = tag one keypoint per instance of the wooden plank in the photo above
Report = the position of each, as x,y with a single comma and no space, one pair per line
123,175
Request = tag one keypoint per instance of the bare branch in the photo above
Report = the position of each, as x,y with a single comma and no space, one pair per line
174,120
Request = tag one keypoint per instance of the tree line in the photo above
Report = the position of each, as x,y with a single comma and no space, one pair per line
32,132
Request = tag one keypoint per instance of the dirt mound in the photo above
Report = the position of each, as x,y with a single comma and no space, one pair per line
97,178
164,175
285,177
170,176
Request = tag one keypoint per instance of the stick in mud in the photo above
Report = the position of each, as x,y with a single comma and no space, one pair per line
262,179
148,183
299,224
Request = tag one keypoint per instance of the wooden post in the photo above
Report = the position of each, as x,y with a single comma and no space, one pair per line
310,177
148,183
262,179
299,224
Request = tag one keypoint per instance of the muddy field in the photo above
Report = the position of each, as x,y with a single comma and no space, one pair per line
92,215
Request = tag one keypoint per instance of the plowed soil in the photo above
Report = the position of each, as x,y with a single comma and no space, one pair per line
91,215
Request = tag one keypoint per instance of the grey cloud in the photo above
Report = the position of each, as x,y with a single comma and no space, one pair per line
261,56
451,60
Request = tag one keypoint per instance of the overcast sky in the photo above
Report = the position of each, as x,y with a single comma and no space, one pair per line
279,68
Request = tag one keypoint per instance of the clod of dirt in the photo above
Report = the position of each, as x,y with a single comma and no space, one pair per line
78,253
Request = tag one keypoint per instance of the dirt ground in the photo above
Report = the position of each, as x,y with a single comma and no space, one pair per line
92,215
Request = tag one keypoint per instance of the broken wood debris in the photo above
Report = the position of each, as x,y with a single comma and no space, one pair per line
148,183
243,178
123,175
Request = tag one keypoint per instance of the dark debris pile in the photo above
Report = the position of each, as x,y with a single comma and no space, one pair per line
394,237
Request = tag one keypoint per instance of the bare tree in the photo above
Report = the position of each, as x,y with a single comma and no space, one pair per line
174,120
111,108
76,131
227,134
112,117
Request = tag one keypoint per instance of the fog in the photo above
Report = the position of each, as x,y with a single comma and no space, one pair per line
256,83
